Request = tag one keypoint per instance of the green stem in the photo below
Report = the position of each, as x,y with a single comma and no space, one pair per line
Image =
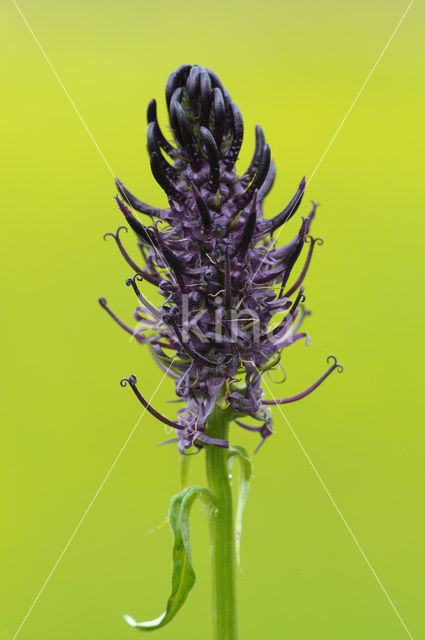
222,532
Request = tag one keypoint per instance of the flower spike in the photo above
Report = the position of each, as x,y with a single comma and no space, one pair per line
213,259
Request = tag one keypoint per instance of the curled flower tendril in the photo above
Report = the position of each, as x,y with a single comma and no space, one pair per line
318,241
306,392
130,380
115,235
336,365
284,376
131,281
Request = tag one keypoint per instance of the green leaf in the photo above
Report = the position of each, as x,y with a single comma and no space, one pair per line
183,577
240,454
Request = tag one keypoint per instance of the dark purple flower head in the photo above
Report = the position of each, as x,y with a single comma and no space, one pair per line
212,257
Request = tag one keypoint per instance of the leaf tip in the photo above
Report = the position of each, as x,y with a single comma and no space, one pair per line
129,620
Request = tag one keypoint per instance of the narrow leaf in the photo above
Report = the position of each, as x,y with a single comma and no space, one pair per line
183,577
240,454
191,494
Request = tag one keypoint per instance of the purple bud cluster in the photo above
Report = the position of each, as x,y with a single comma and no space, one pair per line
212,257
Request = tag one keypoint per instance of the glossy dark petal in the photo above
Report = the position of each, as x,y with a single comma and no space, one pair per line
212,153
139,229
137,204
205,94
249,228
260,142
219,111
160,175
237,137
287,213
245,198
152,117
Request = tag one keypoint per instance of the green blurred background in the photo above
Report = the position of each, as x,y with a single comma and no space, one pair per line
294,67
